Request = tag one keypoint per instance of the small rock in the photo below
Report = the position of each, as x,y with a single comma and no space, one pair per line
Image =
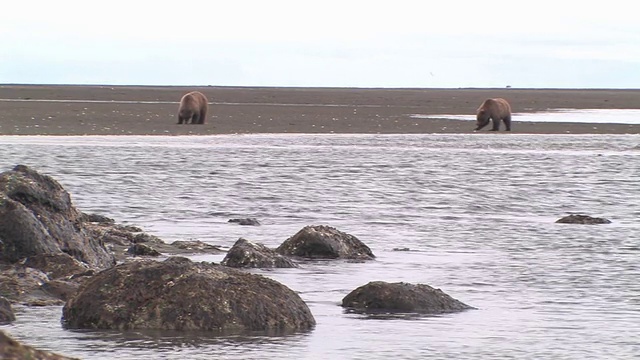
380,296
56,265
246,221
325,242
146,238
6,312
582,219
246,254
129,228
60,289
96,218
195,245
142,250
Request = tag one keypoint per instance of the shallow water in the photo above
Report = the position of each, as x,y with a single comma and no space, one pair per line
597,116
477,212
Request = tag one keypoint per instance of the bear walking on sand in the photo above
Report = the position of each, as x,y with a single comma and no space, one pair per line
193,107
496,110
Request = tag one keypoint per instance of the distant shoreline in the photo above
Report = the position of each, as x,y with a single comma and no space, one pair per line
310,87
29,109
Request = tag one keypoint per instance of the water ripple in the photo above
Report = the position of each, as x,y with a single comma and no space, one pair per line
476,212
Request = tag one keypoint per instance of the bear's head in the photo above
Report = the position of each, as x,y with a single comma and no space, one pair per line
186,114
482,118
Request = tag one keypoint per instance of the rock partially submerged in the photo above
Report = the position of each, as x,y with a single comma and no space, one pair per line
10,349
380,296
19,283
246,254
582,219
60,277
37,217
6,312
325,242
196,246
56,266
142,250
178,294
61,289
246,221
116,234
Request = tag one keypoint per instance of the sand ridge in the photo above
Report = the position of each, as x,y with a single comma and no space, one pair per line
152,110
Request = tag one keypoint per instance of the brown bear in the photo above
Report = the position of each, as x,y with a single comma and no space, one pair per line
496,110
193,107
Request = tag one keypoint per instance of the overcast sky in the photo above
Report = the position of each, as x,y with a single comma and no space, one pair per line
347,43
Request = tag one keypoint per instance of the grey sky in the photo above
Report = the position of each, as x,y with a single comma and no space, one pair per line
356,43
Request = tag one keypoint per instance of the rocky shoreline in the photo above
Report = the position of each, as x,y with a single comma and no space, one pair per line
107,276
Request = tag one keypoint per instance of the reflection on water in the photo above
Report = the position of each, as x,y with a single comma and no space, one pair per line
476,212
600,116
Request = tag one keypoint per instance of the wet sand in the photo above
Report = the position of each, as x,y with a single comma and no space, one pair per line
136,110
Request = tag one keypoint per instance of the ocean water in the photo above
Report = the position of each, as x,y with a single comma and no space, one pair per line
476,212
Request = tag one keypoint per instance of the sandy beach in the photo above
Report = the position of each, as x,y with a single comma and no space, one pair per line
137,110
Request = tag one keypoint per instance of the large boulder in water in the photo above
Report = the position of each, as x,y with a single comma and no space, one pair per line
246,254
380,296
325,242
582,219
37,217
10,349
178,294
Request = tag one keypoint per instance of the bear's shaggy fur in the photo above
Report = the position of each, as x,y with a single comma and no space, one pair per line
193,107
494,109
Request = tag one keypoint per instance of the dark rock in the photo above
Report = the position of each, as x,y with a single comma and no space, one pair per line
56,265
129,228
43,302
19,283
96,218
110,234
325,242
582,219
246,221
10,349
245,254
178,294
196,246
60,289
37,217
146,238
121,240
87,273
380,296
142,250
6,312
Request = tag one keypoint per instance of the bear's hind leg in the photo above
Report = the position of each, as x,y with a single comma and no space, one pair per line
203,114
507,123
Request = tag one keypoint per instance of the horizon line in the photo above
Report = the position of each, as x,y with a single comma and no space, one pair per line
312,87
